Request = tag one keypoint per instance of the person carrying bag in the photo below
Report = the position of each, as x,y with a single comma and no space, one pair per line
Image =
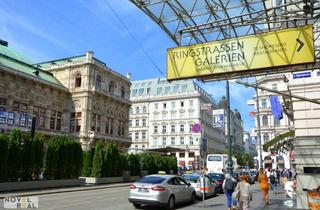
243,193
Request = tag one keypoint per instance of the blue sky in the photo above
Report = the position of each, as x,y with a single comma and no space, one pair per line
47,30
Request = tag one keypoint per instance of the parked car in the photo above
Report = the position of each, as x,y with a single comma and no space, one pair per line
251,176
195,180
218,178
161,190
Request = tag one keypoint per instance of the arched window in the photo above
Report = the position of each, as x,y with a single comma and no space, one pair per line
266,137
111,87
144,109
98,82
137,109
78,80
265,120
276,122
122,92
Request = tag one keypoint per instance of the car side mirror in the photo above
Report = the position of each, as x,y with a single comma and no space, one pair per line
188,184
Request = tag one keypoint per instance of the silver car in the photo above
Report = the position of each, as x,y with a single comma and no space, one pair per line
195,179
161,190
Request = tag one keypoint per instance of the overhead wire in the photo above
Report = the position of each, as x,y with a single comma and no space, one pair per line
134,38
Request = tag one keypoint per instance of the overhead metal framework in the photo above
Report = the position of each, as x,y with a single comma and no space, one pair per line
190,22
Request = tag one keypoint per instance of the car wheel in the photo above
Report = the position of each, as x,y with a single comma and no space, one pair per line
193,197
136,205
170,203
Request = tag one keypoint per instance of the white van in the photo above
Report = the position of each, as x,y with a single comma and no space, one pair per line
218,163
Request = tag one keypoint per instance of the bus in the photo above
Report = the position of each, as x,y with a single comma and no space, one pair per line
218,163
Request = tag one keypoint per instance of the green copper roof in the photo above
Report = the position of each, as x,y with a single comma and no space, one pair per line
20,63
74,60
14,54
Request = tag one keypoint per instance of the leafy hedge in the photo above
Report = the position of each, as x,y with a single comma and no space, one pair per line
63,159
21,158
107,161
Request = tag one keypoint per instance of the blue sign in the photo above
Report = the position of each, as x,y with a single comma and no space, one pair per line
318,73
302,75
218,121
218,118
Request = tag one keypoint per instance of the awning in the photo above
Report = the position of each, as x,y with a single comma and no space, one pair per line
276,142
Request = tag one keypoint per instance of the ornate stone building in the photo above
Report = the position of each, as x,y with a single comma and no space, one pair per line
79,96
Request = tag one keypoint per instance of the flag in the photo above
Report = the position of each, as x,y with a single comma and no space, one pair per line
276,107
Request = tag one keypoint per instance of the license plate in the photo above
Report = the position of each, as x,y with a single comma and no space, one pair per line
143,189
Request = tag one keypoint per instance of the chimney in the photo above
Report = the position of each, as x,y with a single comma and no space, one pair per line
129,76
3,43
89,55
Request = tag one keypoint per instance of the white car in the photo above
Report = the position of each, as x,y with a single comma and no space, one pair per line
161,190
209,187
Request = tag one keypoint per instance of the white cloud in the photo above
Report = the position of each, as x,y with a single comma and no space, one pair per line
7,18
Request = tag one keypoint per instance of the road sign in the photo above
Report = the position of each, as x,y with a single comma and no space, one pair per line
218,118
260,51
196,128
302,75
206,106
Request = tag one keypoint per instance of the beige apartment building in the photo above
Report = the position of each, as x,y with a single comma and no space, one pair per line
79,96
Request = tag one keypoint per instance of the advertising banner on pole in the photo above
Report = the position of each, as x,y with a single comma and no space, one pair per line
218,118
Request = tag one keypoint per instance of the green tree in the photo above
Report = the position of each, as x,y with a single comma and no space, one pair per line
52,159
3,157
27,158
14,155
87,162
98,160
38,155
134,164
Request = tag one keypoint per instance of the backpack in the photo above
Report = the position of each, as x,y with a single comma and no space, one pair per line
272,178
229,185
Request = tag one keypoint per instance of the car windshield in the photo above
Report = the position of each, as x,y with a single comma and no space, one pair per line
214,158
151,180
191,177
216,176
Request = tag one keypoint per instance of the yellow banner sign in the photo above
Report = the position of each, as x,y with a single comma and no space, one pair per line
273,49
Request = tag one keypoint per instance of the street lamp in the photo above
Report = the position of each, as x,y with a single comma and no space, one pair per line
230,168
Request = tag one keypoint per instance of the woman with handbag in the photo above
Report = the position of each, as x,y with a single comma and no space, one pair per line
244,193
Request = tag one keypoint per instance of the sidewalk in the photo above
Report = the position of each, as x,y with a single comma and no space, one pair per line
276,201
61,190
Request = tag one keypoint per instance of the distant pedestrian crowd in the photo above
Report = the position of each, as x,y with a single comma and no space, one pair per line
239,193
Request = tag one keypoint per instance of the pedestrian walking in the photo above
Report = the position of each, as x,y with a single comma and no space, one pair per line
278,175
245,192
228,186
263,179
273,180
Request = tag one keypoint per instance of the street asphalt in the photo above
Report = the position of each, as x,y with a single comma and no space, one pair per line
115,197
